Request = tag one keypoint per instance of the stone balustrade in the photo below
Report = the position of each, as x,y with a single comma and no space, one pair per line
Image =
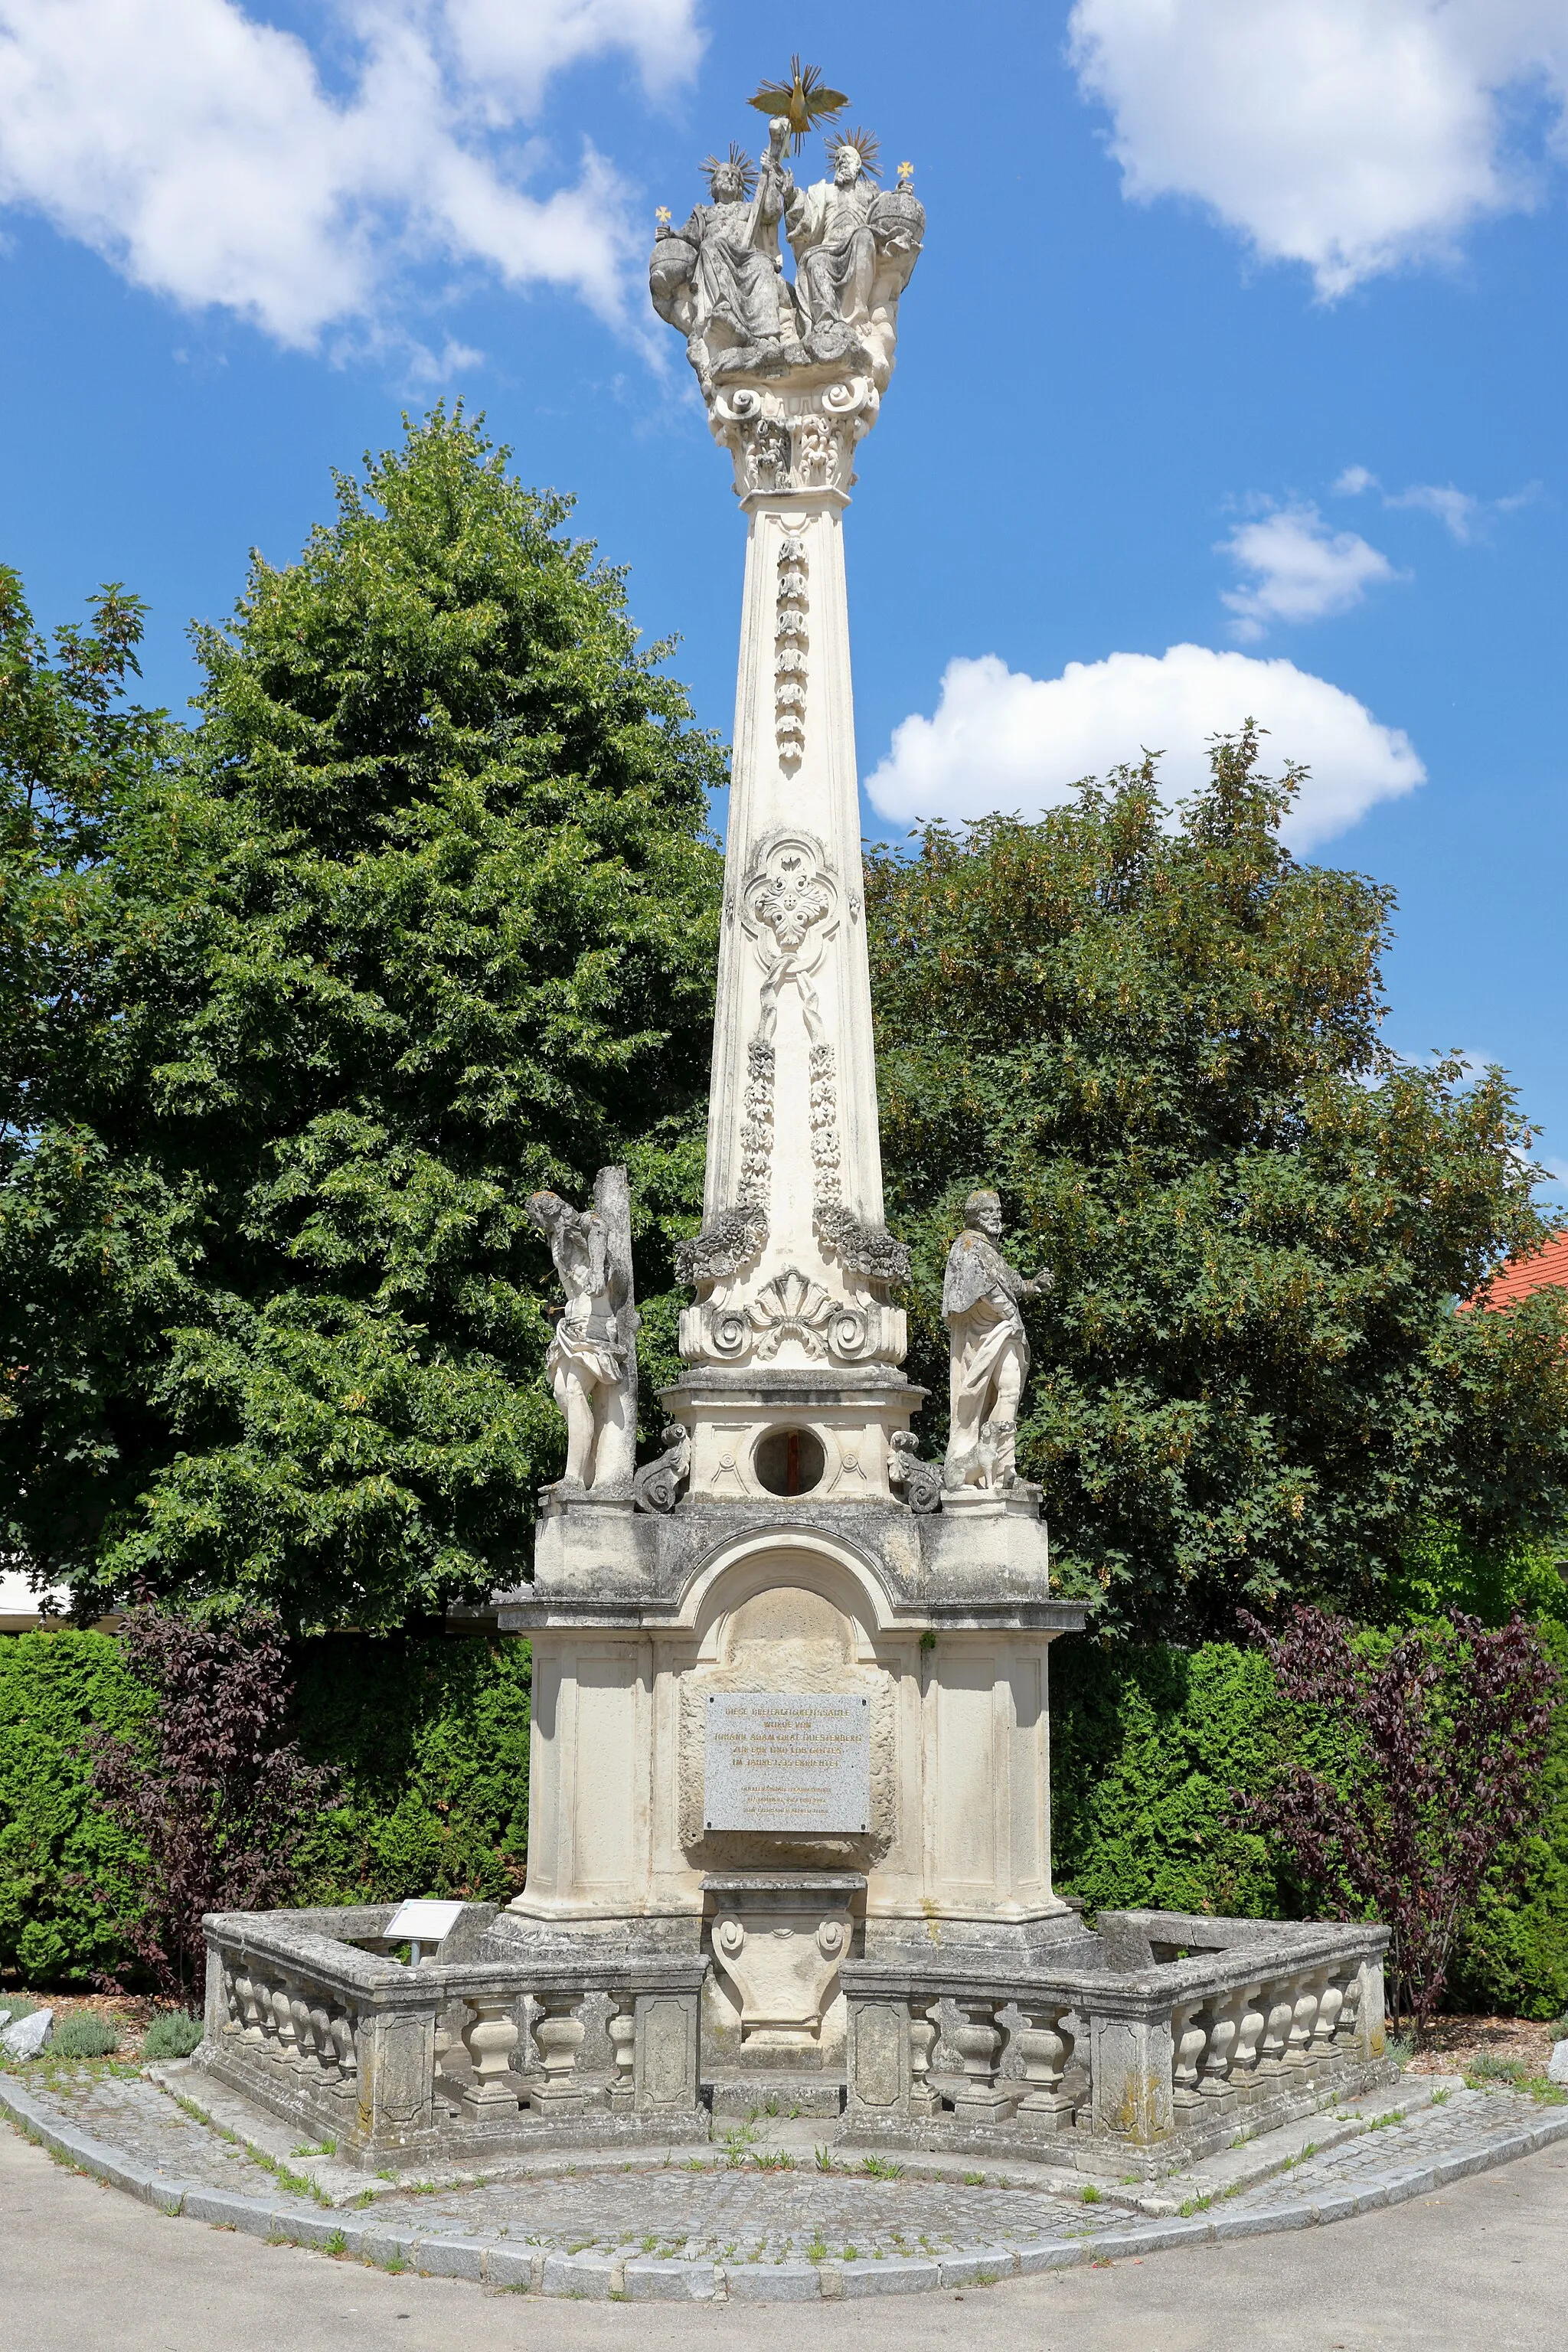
1199,2028
308,2013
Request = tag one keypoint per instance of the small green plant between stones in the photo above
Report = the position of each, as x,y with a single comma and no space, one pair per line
817,2247
975,2181
881,2168
83,2035
1090,2193
174,2033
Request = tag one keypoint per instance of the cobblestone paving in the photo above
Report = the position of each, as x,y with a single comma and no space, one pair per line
699,2210
1466,2121
140,2120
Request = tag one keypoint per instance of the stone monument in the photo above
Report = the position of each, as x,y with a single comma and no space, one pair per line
789,1821
790,1685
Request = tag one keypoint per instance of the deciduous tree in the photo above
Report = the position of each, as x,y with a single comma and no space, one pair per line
419,917
1159,1040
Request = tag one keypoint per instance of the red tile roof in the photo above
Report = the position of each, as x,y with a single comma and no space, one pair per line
1518,1276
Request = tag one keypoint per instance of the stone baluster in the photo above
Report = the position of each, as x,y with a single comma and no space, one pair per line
249,1993
345,2041
443,2042
1331,2000
304,2051
1046,2046
1215,2085
489,2037
324,2048
286,2048
1281,2006
228,1974
925,2099
978,2042
622,2028
1189,2040
1253,2021
559,2034
1346,2025
1304,2017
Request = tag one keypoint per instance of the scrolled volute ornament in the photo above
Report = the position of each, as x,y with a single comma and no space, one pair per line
656,1485
920,1483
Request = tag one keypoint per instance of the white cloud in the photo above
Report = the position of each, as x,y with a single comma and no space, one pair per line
1461,513
1001,739
513,47
1455,510
1299,569
198,150
1352,135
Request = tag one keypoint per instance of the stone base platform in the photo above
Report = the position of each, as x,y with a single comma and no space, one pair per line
752,2219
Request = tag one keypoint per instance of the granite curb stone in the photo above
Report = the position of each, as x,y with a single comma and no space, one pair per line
979,2269
896,2276
519,2269
773,2283
594,2276
1260,2225
460,2258
656,2278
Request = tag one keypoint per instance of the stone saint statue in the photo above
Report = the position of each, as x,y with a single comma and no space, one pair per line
592,1359
980,1300
834,250
720,278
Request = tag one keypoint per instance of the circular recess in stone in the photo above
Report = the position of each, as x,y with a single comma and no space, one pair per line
789,1461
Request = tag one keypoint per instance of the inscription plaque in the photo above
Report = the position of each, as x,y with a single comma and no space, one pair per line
795,1761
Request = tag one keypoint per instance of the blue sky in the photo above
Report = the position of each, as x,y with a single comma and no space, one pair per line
1241,330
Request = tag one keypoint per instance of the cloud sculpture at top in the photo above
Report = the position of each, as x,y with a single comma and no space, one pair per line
1348,136
206,154
1001,740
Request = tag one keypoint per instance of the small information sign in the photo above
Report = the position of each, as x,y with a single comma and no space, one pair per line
796,1762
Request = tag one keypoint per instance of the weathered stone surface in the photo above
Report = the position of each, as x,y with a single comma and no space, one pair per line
28,2035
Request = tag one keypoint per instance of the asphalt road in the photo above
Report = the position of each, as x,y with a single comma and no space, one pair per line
1476,2268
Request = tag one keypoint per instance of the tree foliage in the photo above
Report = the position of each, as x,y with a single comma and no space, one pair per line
1449,1728
1160,1042
214,1791
420,917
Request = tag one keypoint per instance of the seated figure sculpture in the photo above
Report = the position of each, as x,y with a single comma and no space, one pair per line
830,232
990,1361
592,1359
718,277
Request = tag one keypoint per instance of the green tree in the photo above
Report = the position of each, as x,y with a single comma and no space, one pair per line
419,917
1160,1042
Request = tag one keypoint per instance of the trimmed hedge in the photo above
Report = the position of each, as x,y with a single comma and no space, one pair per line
429,1733
1146,1747
66,1872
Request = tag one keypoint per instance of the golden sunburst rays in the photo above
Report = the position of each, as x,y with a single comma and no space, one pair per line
804,100
865,145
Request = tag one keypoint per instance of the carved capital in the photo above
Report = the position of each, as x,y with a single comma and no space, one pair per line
793,440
